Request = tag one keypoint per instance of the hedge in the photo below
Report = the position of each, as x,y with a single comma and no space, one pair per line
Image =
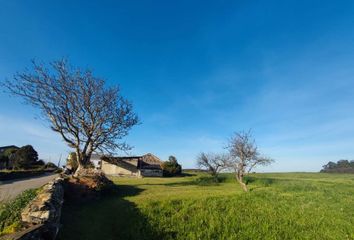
18,174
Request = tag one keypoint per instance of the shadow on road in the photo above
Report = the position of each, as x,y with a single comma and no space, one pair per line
11,188
3,182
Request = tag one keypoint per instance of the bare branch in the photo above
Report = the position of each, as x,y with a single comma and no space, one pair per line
244,156
213,163
88,115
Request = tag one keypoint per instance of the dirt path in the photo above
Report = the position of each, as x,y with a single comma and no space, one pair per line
10,189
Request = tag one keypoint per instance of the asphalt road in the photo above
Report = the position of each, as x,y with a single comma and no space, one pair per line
11,188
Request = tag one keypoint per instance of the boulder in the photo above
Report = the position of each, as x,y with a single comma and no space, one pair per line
46,207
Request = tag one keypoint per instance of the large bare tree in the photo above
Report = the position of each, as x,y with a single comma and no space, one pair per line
88,115
244,156
212,162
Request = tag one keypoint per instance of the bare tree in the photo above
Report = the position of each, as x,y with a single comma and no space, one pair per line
88,116
244,156
213,163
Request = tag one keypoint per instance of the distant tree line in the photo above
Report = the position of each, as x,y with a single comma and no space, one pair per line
341,166
26,157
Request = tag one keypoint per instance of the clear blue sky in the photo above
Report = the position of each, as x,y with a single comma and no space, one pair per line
197,71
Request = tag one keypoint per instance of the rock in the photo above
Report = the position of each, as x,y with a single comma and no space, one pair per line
46,207
42,215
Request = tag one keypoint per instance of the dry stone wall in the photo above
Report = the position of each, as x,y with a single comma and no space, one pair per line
43,213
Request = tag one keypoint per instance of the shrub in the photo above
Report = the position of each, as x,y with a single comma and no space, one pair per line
8,152
207,181
58,170
10,212
24,158
50,165
40,163
5,157
171,167
4,161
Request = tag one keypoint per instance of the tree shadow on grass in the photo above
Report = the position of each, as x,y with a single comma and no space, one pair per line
200,181
252,182
258,183
110,217
181,175
262,181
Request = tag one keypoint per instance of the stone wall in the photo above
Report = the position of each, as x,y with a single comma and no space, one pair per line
42,215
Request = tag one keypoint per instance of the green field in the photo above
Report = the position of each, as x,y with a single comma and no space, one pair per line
279,206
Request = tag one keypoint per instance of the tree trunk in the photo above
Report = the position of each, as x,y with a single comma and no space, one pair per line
83,160
86,158
244,186
76,174
215,177
239,178
79,163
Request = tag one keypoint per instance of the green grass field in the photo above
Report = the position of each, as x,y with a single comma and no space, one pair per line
279,206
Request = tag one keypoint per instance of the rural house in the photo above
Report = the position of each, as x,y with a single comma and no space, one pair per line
96,160
147,165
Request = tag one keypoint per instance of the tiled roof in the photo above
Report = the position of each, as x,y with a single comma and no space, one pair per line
147,161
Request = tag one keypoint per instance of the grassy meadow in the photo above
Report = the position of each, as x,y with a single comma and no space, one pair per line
278,206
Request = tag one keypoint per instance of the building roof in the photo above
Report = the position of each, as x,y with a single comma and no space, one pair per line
147,161
150,161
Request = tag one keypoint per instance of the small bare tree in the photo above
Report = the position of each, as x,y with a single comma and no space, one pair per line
244,156
213,163
88,116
